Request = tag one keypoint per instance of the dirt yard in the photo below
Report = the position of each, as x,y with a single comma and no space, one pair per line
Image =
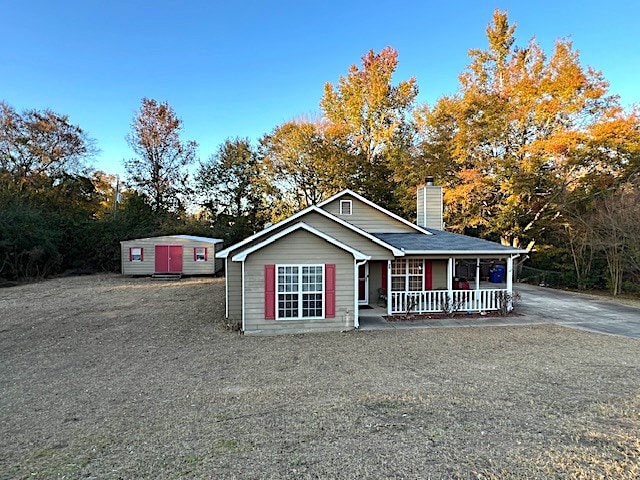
109,377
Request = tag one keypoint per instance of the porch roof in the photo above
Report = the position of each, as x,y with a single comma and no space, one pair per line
441,242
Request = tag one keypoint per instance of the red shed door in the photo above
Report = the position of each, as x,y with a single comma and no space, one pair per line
168,259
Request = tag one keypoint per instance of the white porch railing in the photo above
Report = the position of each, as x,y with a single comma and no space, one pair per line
432,301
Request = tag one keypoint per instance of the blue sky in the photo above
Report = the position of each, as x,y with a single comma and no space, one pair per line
240,68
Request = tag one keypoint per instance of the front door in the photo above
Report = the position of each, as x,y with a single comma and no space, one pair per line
168,258
363,284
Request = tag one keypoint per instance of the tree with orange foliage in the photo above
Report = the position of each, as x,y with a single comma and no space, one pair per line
522,135
373,118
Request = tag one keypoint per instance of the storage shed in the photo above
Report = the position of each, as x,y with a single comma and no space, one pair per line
171,254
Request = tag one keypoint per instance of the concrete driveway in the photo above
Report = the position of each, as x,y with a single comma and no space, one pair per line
577,310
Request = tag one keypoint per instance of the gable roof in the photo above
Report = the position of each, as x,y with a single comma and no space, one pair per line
313,208
441,242
373,205
241,256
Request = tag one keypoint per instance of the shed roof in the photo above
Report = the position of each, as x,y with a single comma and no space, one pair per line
441,242
185,237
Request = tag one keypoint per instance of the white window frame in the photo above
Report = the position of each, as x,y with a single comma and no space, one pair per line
197,255
299,292
406,275
343,203
136,260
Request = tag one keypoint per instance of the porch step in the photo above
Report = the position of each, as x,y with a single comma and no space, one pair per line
166,276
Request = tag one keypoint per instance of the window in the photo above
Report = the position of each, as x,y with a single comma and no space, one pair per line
345,207
135,254
200,254
300,290
407,274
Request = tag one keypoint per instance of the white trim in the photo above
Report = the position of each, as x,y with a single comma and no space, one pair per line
241,256
356,310
388,287
346,202
502,253
377,207
243,299
366,286
300,292
396,252
226,289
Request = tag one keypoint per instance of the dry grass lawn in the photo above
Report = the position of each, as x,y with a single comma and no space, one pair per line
109,377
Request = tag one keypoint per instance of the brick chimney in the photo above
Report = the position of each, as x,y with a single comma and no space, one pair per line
429,203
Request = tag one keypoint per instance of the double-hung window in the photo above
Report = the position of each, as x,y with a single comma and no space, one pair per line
300,291
407,274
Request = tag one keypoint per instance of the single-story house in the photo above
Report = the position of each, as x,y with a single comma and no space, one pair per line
171,254
313,270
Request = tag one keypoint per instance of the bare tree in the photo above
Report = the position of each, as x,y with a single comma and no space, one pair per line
34,143
159,171
615,230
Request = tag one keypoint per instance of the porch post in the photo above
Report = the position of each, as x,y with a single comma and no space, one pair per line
510,283
388,287
478,301
450,284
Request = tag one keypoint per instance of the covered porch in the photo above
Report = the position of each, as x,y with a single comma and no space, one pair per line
419,285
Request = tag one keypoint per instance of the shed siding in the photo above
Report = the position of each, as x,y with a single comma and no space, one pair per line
367,217
299,247
189,266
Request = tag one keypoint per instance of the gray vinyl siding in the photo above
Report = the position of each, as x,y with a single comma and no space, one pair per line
346,236
234,289
300,248
375,280
333,229
439,274
367,217
429,206
189,265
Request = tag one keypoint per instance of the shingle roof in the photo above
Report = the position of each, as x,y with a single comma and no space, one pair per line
444,242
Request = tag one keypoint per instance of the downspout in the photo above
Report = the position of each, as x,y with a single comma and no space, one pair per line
510,281
226,288
356,266
243,297
450,283
389,287
478,304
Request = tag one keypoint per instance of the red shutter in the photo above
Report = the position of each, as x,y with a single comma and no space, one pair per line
131,254
270,292
383,268
195,254
141,254
428,275
329,290
205,254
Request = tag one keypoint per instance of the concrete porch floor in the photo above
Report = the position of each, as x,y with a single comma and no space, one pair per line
373,319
